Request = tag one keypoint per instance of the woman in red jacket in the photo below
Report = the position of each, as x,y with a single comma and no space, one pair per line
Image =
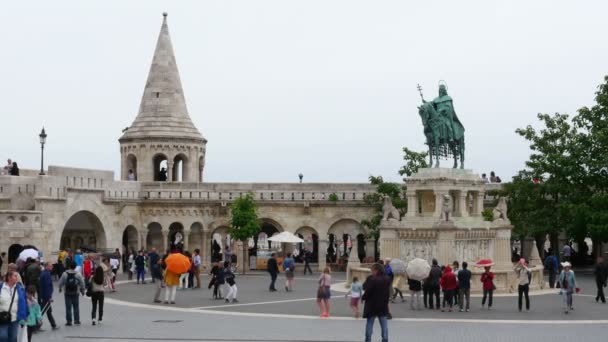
449,284
487,278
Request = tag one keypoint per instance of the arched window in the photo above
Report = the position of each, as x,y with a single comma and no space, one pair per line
159,164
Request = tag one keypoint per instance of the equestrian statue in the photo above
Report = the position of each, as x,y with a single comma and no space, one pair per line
443,130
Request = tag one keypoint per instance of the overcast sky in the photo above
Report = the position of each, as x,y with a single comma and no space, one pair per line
326,88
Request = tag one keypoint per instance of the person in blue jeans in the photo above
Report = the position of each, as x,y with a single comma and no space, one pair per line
376,295
73,283
10,287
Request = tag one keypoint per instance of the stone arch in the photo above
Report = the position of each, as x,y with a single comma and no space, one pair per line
160,161
196,236
220,237
311,242
268,227
181,166
342,236
132,164
154,238
13,252
84,226
176,236
130,238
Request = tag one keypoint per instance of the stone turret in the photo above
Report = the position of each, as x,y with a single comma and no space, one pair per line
163,135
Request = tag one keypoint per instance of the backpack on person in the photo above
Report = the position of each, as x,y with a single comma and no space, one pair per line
549,265
71,284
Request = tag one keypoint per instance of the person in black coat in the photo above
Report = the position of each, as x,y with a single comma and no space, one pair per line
601,275
307,260
433,283
273,269
377,290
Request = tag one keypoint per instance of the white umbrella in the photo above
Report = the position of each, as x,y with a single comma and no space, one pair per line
418,269
28,253
398,266
285,237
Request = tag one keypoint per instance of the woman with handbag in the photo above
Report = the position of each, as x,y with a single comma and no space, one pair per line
13,307
323,292
97,293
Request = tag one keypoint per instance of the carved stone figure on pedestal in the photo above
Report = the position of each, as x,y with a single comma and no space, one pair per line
389,211
500,212
446,208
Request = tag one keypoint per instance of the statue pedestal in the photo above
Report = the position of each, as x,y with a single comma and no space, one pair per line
465,236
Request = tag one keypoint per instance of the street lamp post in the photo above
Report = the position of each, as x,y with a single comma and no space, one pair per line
300,176
42,142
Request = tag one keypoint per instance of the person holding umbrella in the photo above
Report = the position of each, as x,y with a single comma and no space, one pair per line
487,279
177,264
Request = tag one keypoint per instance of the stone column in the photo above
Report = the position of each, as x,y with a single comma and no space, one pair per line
370,245
323,245
206,248
445,247
165,239
169,171
478,204
242,257
412,204
462,204
502,249
140,241
353,261
186,239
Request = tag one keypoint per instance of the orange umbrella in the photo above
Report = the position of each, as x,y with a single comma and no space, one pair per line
178,263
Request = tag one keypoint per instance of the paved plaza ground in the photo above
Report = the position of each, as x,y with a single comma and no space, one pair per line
130,315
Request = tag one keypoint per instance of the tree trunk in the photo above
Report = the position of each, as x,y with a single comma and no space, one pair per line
244,261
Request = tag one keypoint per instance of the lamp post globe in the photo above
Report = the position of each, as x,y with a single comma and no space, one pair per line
300,176
42,137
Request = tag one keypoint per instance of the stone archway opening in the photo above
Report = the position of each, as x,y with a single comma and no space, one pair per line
260,242
176,237
154,237
180,168
195,239
345,236
83,230
220,240
131,166
130,240
159,165
13,253
311,243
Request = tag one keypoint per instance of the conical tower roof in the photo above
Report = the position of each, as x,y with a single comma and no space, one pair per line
163,112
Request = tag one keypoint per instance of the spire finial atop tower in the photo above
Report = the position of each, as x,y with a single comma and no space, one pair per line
165,14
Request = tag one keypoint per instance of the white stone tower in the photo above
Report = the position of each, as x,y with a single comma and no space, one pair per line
163,135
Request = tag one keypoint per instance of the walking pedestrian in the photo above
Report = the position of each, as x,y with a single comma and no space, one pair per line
523,287
396,286
12,300
324,293
196,262
32,274
87,269
131,264
464,286
426,291
273,269
377,291
97,294
230,283
355,292
307,260
140,266
214,273
33,322
567,282
551,267
567,252
46,293
415,287
434,285
74,286
601,275
184,280
289,268
449,285
153,264
79,260
487,279
157,275
107,274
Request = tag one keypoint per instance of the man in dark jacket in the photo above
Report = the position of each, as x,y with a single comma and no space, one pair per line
433,282
307,260
46,292
601,275
273,269
464,286
377,289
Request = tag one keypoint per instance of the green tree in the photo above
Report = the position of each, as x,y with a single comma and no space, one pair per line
413,162
244,222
